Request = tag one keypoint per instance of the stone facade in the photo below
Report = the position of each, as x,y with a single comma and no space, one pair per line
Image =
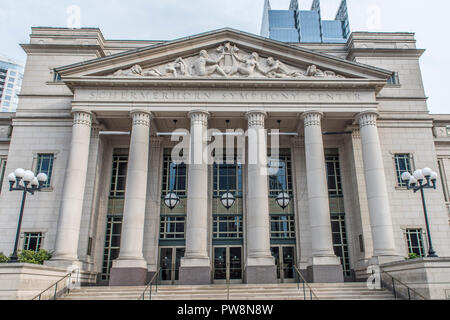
121,94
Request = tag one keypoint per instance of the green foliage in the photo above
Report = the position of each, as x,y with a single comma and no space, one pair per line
412,256
28,256
3,258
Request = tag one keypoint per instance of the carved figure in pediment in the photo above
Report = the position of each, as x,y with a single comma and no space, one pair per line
135,70
250,65
178,68
152,73
313,71
204,65
277,69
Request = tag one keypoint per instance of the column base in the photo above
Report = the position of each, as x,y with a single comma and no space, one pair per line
261,274
128,273
326,269
378,260
195,275
65,264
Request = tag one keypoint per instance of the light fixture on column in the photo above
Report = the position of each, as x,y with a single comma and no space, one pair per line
420,180
171,199
228,198
27,182
283,199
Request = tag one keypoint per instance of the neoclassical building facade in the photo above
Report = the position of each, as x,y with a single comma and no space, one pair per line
336,126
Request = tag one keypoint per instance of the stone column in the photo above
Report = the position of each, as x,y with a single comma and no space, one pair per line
324,266
260,265
66,247
131,268
380,214
195,267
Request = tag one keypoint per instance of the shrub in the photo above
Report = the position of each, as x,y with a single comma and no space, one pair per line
412,256
3,258
28,256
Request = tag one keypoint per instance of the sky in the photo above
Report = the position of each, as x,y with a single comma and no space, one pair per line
172,19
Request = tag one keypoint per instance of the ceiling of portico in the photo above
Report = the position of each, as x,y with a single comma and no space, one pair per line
222,57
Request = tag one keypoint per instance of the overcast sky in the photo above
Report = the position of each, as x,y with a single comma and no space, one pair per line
171,19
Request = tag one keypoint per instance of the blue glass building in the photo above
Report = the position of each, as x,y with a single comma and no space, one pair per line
296,25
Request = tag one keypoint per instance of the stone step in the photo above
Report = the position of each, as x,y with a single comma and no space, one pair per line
340,291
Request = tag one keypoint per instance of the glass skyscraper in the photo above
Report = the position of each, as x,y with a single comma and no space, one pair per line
296,25
11,75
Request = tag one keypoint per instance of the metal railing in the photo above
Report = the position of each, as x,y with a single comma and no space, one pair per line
153,282
53,289
305,284
400,289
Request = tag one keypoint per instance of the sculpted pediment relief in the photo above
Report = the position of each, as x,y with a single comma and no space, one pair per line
227,61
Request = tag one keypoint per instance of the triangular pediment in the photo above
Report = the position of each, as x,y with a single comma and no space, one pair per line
222,54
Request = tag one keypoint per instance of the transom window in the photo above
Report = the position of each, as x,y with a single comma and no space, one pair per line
402,164
282,227
172,227
45,165
119,173
227,227
227,177
32,241
280,174
415,242
174,176
333,175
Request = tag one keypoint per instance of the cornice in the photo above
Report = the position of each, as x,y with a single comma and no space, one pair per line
384,52
63,48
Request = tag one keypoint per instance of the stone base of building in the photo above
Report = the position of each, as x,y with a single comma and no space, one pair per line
261,274
195,275
120,277
325,274
22,281
429,277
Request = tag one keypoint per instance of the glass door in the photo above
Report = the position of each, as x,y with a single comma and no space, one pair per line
169,262
227,264
285,261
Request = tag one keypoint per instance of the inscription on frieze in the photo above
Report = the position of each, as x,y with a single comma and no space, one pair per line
196,95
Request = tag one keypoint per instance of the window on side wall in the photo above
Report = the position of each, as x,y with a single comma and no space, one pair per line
45,165
32,241
415,243
394,79
402,164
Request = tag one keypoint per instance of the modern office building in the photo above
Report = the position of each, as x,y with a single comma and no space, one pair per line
11,75
120,128
304,26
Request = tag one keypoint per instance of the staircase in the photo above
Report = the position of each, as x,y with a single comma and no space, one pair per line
325,291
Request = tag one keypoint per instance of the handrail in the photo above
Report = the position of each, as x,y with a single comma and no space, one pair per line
150,285
311,291
405,285
55,294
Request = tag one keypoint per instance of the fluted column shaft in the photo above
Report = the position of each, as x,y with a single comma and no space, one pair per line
319,210
197,202
136,189
68,231
377,196
258,218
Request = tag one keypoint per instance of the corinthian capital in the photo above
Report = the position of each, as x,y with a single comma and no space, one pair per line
256,118
141,117
367,118
199,117
81,117
312,118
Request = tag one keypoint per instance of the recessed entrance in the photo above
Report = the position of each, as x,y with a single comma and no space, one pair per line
285,260
227,264
169,262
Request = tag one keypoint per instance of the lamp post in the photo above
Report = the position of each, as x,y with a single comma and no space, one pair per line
420,180
25,181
